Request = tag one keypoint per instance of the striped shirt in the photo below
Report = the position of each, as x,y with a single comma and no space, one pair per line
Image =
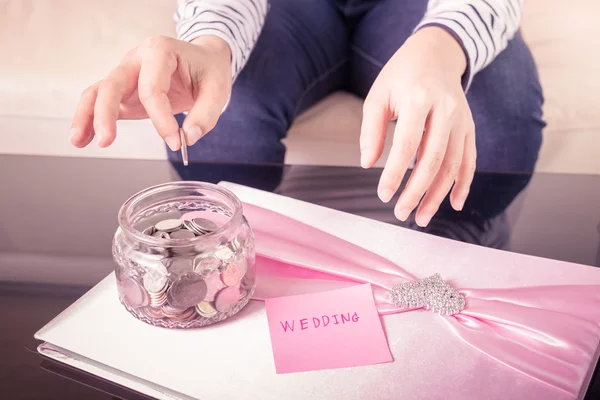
482,27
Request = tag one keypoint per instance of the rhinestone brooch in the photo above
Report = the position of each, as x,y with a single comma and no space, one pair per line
432,293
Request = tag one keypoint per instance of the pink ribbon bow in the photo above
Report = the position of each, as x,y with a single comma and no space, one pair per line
545,332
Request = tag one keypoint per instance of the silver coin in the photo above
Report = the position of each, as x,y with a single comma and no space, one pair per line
179,266
182,234
159,299
187,291
205,225
148,231
227,298
191,227
170,311
184,154
196,229
204,264
224,253
161,235
186,316
133,294
155,279
168,225
206,309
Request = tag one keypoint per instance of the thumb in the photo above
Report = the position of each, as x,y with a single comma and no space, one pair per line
204,114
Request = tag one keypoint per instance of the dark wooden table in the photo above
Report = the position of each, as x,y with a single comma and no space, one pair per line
58,216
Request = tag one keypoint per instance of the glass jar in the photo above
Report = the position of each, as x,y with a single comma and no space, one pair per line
184,255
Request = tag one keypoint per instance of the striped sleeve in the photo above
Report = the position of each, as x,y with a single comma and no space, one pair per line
482,27
238,22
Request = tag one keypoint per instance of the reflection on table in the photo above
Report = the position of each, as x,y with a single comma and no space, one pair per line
482,221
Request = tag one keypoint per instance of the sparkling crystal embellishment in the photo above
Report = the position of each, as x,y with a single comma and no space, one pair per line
432,293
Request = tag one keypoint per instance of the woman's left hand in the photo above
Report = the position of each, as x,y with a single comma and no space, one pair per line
420,87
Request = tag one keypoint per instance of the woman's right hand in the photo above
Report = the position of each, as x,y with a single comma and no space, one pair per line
160,78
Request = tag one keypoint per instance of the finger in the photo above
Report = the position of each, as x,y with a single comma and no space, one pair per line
444,179
431,154
466,172
153,86
132,109
82,130
375,120
118,86
407,137
206,110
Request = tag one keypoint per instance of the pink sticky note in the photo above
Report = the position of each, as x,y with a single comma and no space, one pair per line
335,329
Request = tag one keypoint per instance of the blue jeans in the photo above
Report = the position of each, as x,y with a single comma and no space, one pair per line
310,48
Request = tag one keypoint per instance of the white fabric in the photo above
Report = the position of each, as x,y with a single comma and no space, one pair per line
233,360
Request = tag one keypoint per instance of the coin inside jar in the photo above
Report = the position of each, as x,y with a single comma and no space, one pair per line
168,225
232,275
179,266
133,294
187,291
186,316
169,311
182,234
157,300
204,225
206,263
155,278
224,253
214,284
187,224
161,235
205,309
227,298
148,231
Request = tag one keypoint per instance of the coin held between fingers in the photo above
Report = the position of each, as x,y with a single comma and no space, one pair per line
184,154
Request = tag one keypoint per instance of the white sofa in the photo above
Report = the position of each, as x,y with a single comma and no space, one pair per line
52,49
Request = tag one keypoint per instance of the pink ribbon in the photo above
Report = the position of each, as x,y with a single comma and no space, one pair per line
549,333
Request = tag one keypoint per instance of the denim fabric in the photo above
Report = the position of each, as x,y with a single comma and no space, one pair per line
311,48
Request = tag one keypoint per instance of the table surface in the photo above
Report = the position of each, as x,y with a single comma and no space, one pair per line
58,216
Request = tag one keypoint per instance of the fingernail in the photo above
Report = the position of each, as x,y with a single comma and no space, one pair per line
100,142
73,133
193,134
460,204
386,195
364,157
402,214
423,219
172,142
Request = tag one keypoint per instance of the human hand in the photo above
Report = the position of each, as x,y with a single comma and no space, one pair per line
156,80
420,86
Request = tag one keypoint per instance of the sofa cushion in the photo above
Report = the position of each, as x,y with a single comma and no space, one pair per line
562,36
57,48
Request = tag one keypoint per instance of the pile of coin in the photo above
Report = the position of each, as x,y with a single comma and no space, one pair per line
183,289
181,229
